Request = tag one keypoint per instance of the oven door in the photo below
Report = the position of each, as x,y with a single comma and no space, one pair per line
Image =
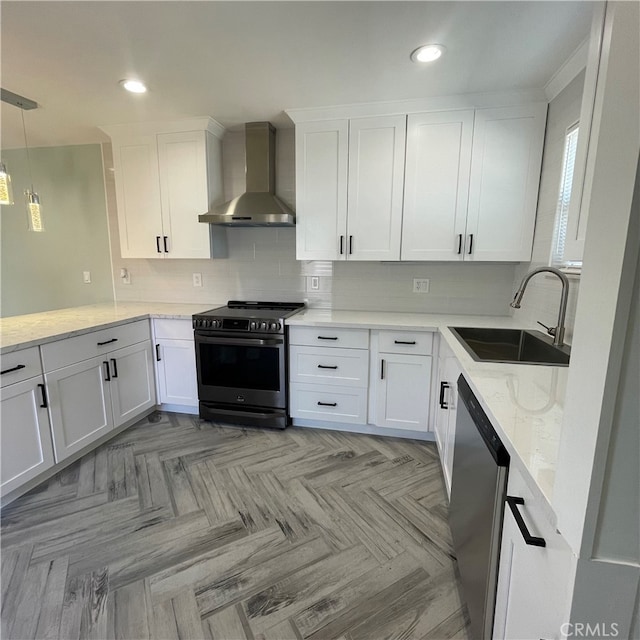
236,369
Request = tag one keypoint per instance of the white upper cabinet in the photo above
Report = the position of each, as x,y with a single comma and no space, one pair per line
349,181
376,178
464,188
321,189
165,178
503,189
436,185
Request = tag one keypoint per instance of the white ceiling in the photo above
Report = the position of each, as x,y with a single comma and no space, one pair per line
244,61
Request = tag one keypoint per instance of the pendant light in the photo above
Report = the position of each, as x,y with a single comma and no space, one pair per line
34,212
6,190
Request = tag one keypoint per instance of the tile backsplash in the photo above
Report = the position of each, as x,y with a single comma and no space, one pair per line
261,263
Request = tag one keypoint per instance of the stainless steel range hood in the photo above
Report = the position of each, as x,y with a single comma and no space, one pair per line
258,206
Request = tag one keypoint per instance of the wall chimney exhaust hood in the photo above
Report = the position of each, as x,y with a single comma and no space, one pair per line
258,206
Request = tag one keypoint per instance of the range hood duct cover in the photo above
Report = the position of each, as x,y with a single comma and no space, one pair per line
258,206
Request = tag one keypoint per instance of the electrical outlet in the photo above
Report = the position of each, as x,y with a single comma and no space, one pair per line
421,285
314,283
197,279
86,277
125,276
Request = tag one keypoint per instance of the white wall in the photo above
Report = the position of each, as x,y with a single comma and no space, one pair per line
262,264
542,297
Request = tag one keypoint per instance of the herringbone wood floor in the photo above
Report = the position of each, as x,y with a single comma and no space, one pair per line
179,528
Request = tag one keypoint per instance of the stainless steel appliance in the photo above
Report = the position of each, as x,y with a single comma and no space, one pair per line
241,359
478,488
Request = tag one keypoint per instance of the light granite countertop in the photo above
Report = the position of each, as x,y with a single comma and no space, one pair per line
20,332
524,402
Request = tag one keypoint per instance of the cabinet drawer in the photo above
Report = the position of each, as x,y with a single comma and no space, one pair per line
89,345
330,403
330,337
20,365
415,342
173,329
320,365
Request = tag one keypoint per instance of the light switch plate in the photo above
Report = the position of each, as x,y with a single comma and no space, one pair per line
421,285
86,277
197,279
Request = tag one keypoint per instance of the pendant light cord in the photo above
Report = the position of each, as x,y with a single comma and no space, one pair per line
26,144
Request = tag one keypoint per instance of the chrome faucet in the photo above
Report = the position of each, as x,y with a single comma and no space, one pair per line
558,331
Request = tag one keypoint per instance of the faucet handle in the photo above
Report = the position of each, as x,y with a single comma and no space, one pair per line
550,330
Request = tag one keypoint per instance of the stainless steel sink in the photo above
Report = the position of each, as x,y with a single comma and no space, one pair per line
513,346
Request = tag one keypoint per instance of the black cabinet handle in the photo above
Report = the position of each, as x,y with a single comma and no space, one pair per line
381,369
443,387
327,404
341,245
327,338
101,344
534,541
404,341
326,366
16,368
350,244
44,404
158,358
164,242
470,243
158,244
115,367
459,244
107,373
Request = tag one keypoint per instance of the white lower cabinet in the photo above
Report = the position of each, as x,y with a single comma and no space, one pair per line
533,594
330,403
447,401
402,391
25,439
401,379
175,358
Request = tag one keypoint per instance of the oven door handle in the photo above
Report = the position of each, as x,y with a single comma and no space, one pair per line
242,342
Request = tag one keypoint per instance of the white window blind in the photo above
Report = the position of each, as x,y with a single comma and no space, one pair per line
564,198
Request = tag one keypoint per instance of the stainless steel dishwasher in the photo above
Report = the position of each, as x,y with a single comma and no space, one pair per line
478,488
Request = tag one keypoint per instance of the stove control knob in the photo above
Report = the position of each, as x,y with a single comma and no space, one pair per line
217,324
264,326
274,326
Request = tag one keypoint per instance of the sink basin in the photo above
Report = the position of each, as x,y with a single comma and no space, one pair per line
513,346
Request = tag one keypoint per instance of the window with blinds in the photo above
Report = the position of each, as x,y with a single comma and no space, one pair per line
564,198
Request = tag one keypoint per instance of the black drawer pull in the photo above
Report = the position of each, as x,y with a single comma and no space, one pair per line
404,342
327,338
115,367
326,366
107,373
381,369
534,541
327,404
459,244
443,387
350,244
164,242
158,358
341,245
16,368
44,404
101,344
158,244
470,243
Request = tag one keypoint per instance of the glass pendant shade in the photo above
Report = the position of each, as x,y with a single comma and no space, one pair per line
6,190
34,212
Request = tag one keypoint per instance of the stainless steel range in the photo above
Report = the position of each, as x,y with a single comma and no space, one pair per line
242,358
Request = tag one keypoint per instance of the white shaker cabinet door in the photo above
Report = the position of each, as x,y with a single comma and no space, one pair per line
402,391
322,150
138,196
79,405
25,438
376,179
436,185
503,188
182,160
176,368
132,383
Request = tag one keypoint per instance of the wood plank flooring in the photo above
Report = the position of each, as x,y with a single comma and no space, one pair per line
180,528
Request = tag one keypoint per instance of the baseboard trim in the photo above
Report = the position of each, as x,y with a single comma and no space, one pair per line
368,429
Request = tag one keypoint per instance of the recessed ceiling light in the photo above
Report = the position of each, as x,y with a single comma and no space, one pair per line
134,86
427,53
